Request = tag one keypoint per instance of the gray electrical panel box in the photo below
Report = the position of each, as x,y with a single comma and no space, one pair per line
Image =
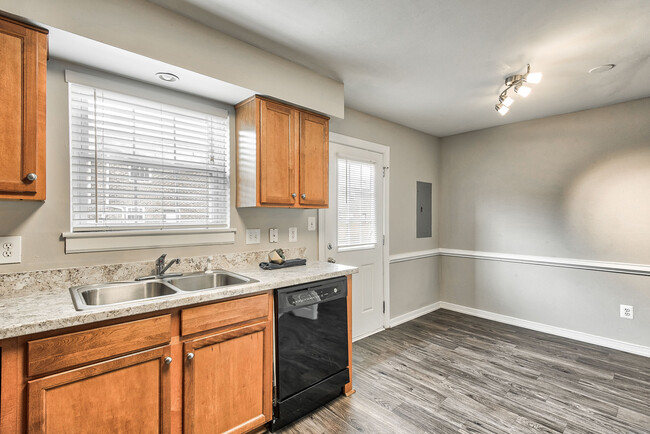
423,212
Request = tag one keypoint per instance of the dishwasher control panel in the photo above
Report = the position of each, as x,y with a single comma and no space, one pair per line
311,296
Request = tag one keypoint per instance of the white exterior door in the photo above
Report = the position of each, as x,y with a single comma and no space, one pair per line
354,230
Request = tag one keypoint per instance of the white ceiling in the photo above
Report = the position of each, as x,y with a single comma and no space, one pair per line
439,65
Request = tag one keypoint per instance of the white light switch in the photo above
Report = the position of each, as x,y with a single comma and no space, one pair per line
311,223
252,236
273,235
10,252
293,235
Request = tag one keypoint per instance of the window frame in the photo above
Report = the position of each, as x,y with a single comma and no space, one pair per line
94,239
365,245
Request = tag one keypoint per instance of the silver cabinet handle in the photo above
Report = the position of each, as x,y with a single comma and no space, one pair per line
293,195
168,360
190,356
331,260
304,196
31,177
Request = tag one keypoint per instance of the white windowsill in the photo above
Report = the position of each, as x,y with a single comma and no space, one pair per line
82,242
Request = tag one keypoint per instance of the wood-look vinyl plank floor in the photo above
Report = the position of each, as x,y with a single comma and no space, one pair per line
447,372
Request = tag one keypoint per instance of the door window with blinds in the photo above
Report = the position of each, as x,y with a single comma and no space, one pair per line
141,164
356,204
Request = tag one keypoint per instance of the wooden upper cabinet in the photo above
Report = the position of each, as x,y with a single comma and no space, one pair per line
23,68
314,160
277,143
282,155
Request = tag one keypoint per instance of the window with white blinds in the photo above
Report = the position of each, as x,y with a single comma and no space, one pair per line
356,204
140,164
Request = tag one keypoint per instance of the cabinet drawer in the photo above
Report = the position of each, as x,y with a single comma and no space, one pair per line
225,313
74,349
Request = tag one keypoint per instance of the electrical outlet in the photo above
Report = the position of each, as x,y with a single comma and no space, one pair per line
252,236
273,235
293,235
627,312
10,251
311,223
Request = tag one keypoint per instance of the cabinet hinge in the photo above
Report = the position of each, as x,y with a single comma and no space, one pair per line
383,240
384,168
384,307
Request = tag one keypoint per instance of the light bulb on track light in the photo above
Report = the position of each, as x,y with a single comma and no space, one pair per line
507,101
523,90
502,109
534,77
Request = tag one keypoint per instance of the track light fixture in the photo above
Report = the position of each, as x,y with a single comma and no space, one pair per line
517,82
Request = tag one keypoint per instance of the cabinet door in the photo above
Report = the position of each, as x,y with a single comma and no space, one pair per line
228,382
277,154
22,111
314,160
128,394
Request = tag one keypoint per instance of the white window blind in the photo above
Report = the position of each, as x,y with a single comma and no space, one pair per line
140,164
356,208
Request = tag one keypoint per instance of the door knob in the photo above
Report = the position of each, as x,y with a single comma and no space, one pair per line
190,356
331,260
31,177
168,360
329,246
293,195
303,195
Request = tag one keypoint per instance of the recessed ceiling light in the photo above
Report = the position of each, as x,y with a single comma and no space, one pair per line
601,68
167,76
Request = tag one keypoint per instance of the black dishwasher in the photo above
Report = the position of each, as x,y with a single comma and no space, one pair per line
311,347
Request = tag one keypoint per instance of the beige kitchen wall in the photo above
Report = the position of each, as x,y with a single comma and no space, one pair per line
40,224
414,156
570,186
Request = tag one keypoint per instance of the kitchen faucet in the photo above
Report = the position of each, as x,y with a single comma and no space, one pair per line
161,268
160,264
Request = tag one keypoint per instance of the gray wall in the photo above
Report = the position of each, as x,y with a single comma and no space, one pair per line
150,30
414,284
413,157
41,223
571,186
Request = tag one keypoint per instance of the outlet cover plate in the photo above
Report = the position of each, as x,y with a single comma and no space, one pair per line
293,234
273,235
252,236
10,250
627,311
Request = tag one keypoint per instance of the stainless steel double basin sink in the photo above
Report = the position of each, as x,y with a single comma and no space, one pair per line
105,294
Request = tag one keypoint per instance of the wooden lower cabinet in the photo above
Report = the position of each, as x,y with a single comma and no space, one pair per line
134,375
228,380
124,395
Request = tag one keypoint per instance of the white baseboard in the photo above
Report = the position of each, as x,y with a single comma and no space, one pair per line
365,335
557,331
414,314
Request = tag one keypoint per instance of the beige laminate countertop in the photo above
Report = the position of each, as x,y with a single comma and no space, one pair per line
26,312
